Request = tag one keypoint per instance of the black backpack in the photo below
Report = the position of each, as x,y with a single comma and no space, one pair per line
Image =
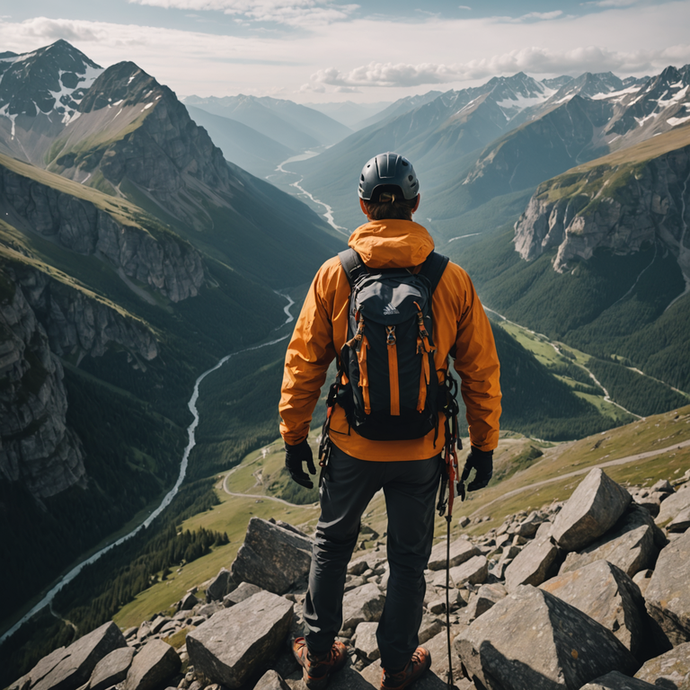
392,390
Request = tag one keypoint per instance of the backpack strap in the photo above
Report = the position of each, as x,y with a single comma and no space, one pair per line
432,269
352,264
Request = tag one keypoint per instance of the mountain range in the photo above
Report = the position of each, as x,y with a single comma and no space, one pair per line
133,256
136,250
566,200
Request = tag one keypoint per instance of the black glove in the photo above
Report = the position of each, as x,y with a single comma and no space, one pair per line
294,457
482,461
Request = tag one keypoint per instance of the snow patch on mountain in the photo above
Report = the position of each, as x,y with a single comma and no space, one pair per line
520,102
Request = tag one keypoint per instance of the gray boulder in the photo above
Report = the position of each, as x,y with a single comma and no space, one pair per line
633,544
528,527
111,669
681,522
642,578
537,562
155,664
531,640
229,647
80,658
592,510
362,604
617,681
461,550
485,598
244,591
673,505
350,679
40,670
670,670
221,585
429,627
272,557
188,602
271,680
668,593
365,642
605,593
474,571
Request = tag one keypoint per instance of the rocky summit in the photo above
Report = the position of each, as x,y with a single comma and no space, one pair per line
524,612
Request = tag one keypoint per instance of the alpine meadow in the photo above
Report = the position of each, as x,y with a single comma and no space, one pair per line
155,250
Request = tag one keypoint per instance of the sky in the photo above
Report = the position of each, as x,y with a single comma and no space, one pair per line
359,50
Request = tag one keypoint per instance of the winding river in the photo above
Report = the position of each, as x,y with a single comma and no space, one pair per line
191,433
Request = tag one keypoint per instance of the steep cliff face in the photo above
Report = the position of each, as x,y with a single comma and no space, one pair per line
620,206
37,449
80,324
152,257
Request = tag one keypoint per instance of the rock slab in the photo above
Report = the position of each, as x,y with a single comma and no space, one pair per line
538,561
230,646
461,550
497,651
112,669
617,681
668,592
81,658
670,670
606,594
272,557
593,508
632,544
155,664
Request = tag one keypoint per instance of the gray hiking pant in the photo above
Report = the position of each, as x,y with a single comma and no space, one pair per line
348,485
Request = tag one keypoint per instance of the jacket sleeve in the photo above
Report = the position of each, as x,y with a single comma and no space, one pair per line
476,361
309,354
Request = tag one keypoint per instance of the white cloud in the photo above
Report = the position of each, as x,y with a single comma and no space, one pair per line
613,3
535,61
411,58
539,16
289,12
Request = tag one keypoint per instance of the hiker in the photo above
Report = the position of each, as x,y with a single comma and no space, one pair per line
365,450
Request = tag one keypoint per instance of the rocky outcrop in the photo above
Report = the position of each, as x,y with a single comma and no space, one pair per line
231,645
143,253
532,639
79,323
583,629
592,510
272,557
36,447
620,207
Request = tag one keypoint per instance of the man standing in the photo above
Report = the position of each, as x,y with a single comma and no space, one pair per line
407,470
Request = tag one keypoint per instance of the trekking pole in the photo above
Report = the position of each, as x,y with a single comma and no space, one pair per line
448,482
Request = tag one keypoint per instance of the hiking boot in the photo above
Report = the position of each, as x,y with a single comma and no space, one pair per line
317,669
416,666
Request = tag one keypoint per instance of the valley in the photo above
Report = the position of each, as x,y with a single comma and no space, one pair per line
147,251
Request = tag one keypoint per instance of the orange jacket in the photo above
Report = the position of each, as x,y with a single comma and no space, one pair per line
461,330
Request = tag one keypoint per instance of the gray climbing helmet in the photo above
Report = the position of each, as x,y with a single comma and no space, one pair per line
384,173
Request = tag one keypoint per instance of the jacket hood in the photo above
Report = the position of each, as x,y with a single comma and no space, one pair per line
392,243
